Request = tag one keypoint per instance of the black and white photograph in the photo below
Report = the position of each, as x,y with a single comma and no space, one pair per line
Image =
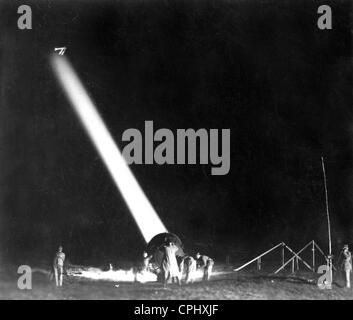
176,150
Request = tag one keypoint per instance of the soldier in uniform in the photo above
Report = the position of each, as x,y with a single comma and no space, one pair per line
347,265
146,261
58,266
189,264
205,263
170,265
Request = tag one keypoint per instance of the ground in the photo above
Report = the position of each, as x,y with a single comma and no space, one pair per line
230,286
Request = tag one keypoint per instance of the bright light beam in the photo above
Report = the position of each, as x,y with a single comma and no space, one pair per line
145,216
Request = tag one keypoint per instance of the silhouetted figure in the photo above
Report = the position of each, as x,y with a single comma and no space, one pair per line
146,261
205,263
170,265
58,266
189,265
347,265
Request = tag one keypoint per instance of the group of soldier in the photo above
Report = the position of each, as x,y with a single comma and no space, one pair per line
172,270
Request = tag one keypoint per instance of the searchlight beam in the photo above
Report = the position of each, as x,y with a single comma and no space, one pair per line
141,209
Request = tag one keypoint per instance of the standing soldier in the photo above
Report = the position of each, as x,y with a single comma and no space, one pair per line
347,264
59,266
189,263
146,261
205,263
170,265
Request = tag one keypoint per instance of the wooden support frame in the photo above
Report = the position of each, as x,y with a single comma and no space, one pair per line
294,260
259,257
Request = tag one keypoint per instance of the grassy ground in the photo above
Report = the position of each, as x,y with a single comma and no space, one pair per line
243,285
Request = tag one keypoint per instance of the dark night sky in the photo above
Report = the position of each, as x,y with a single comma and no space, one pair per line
261,68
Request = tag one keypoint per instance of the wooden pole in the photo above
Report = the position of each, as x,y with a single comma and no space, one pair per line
282,255
313,252
327,207
329,260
